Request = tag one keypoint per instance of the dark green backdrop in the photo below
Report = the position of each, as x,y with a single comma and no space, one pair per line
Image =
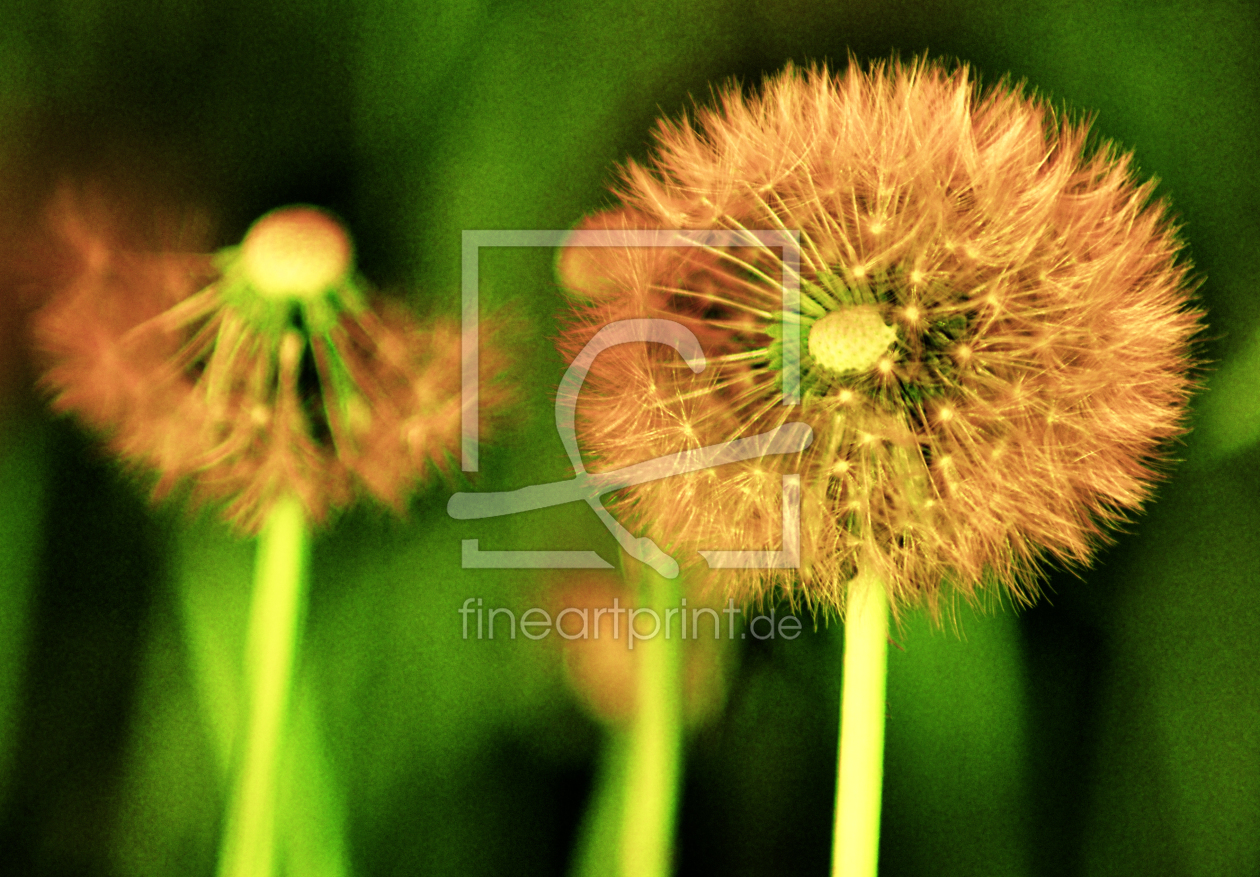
1113,729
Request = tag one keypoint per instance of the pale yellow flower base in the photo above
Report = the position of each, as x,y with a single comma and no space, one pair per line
860,771
275,611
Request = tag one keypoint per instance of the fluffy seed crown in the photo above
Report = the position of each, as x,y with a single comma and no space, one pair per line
997,322
258,372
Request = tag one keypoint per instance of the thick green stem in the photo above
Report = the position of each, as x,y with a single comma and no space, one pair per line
860,771
248,848
652,775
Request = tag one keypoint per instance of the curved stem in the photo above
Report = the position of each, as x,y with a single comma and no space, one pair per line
275,610
860,769
650,802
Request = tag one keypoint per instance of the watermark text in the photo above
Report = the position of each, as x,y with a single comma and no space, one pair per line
477,621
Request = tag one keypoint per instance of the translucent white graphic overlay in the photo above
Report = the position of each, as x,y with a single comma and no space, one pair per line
589,487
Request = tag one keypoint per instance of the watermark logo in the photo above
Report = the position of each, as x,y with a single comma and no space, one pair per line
590,487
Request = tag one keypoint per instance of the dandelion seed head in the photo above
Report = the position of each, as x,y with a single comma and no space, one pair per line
996,327
261,371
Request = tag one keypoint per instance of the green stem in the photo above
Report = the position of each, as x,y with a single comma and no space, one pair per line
248,848
650,802
860,771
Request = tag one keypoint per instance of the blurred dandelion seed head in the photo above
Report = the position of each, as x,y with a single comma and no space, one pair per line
251,374
994,320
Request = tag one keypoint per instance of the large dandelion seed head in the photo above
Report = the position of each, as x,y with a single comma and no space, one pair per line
994,331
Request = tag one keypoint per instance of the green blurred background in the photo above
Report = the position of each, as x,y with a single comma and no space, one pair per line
1112,729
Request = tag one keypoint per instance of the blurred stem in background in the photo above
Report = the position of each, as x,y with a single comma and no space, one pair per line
310,822
860,767
631,818
276,605
652,775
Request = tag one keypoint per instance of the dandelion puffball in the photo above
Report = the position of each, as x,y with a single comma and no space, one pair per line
994,326
253,374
